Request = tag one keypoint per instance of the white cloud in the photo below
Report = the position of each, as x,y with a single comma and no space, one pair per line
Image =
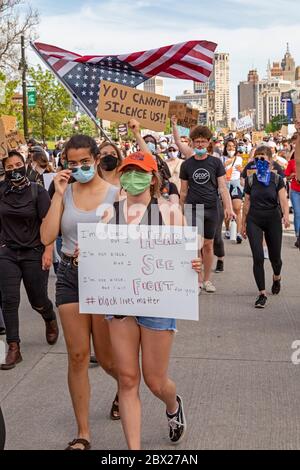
122,27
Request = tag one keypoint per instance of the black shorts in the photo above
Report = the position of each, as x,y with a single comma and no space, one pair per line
207,225
67,290
235,193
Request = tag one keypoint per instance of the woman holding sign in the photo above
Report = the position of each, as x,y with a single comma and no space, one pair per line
153,336
71,204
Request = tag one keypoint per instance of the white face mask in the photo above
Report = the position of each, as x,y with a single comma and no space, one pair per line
231,153
172,154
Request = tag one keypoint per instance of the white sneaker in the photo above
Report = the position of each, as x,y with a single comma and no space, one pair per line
227,235
209,287
266,252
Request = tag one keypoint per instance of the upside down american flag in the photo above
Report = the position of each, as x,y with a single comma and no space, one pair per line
82,75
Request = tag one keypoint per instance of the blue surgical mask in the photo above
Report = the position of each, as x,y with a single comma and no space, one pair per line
200,152
83,176
151,146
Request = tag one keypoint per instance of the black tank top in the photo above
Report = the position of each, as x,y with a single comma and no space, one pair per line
152,216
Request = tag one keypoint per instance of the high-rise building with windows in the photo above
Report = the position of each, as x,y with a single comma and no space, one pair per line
220,77
154,85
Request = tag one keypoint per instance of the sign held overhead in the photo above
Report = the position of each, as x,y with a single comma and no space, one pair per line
120,103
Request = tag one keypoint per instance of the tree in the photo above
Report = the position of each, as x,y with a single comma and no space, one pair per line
276,123
82,125
52,104
10,106
12,27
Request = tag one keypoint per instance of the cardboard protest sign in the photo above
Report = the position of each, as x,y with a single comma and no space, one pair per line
120,103
14,139
138,270
297,112
257,137
186,115
3,143
9,122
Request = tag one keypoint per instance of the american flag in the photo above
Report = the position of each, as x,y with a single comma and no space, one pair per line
82,75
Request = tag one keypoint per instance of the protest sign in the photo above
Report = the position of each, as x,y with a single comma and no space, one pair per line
138,270
244,123
120,103
14,139
122,129
48,178
3,143
9,123
297,112
186,115
257,137
10,138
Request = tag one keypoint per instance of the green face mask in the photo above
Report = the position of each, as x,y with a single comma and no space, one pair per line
135,182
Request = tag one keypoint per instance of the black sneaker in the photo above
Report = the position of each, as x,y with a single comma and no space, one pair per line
297,243
261,301
276,287
177,423
220,266
2,330
239,239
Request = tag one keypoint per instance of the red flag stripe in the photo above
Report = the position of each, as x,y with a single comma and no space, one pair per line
48,49
196,68
177,57
179,71
150,57
200,56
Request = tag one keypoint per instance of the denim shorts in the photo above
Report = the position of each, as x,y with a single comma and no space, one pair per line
67,291
153,323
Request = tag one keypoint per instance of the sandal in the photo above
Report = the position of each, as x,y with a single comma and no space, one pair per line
84,442
114,412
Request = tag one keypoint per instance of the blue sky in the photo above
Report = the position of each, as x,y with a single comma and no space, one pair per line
252,31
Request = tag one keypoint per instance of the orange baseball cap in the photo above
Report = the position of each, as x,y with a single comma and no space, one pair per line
141,159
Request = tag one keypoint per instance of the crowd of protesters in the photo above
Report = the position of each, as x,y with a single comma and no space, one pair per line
247,189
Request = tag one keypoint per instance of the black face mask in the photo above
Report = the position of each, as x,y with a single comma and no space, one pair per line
17,175
109,163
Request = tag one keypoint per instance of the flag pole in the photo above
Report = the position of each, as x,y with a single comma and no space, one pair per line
71,93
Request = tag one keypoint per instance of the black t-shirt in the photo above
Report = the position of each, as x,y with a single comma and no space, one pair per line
252,166
21,216
202,176
51,189
263,197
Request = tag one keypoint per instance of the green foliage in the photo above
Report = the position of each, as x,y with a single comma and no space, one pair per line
276,123
52,105
10,106
83,125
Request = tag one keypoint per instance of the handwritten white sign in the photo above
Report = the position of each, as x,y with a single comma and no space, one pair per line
138,270
48,178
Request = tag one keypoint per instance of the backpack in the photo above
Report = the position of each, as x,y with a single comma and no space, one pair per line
33,187
250,180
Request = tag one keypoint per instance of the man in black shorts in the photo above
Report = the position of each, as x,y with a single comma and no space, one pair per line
202,180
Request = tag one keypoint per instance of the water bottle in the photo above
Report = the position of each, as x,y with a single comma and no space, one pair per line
233,231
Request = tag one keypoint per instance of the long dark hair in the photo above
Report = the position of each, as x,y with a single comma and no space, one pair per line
225,153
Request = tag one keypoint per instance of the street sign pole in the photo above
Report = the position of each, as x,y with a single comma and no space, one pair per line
23,66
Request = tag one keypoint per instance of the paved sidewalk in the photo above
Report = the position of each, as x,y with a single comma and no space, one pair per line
233,369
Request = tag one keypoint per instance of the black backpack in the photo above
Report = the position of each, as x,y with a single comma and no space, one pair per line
250,180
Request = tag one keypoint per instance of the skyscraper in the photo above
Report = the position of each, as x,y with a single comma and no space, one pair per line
154,85
222,89
288,66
